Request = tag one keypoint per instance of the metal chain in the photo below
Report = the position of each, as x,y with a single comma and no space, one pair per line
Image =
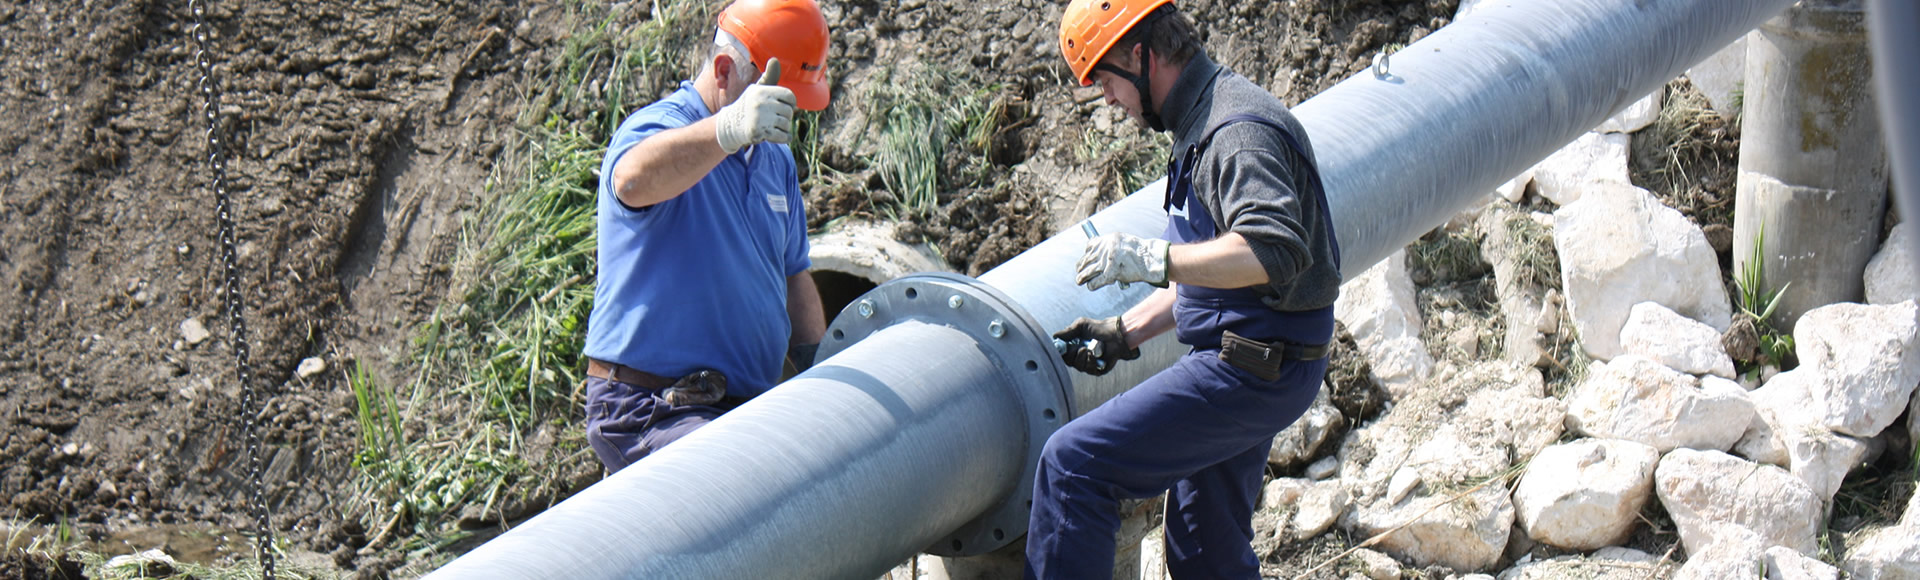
234,301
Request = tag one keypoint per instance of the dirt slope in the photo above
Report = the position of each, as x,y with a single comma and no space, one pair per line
358,129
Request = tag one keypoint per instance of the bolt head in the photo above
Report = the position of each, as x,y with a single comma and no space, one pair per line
956,301
996,329
866,309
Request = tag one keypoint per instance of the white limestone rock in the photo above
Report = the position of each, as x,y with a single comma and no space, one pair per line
1637,399
1400,364
1888,553
1324,468
1720,75
1319,508
1282,493
1789,430
1680,343
1894,274
1302,440
1885,554
1623,248
1868,358
1612,563
1822,458
1462,424
1784,403
1379,308
193,332
1585,495
1515,190
1707,492
1736,553
1482,438
1587,165
1377,566
309,367
1635,116
1469,535
1786,564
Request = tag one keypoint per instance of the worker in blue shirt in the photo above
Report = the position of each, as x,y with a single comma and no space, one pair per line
703,287
1249,269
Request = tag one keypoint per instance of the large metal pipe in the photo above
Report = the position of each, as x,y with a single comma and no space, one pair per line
923,435
1896,72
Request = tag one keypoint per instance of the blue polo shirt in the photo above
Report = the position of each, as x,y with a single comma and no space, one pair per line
700,280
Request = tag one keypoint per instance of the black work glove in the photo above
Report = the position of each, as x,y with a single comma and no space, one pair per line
1089,356
802,356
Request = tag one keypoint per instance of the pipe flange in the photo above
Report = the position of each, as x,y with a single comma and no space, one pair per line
1023,351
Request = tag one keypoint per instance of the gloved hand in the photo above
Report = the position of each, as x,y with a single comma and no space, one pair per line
703,387
1113,345
763,113
1123,258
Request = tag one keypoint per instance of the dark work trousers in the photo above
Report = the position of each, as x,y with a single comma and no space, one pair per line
1201,428
626,422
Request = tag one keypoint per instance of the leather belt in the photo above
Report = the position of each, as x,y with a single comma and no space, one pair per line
600,369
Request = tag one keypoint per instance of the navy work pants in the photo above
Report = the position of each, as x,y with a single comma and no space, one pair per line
626,422
1201,428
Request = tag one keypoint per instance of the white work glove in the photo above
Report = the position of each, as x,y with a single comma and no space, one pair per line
763,113
1123,258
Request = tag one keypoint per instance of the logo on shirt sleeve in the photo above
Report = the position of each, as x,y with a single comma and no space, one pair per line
777,202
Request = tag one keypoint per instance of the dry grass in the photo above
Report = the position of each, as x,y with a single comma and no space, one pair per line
1689,156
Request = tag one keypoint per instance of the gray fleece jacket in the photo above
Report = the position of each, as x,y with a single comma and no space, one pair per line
1253,184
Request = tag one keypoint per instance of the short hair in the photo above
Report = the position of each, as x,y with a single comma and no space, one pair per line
724,43
1167,32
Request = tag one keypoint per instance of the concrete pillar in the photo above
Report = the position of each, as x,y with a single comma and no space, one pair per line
1813,166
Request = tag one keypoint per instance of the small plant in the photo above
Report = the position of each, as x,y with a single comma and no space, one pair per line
378,415
1759,303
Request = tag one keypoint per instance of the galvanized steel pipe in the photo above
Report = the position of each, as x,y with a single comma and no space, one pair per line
1896,72
921,435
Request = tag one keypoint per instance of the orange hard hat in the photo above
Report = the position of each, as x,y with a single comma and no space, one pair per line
1090,28
793,31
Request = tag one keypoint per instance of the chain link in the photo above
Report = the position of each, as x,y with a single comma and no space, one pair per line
235,303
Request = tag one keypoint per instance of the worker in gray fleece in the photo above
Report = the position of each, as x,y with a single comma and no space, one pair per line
1248,271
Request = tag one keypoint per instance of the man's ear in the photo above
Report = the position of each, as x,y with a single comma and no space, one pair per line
723,70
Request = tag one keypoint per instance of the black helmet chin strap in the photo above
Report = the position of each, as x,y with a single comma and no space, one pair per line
1140,85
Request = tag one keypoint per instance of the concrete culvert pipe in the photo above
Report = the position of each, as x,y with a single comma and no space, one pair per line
852,259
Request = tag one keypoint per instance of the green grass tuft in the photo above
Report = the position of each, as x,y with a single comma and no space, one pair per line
920,109
1759,302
